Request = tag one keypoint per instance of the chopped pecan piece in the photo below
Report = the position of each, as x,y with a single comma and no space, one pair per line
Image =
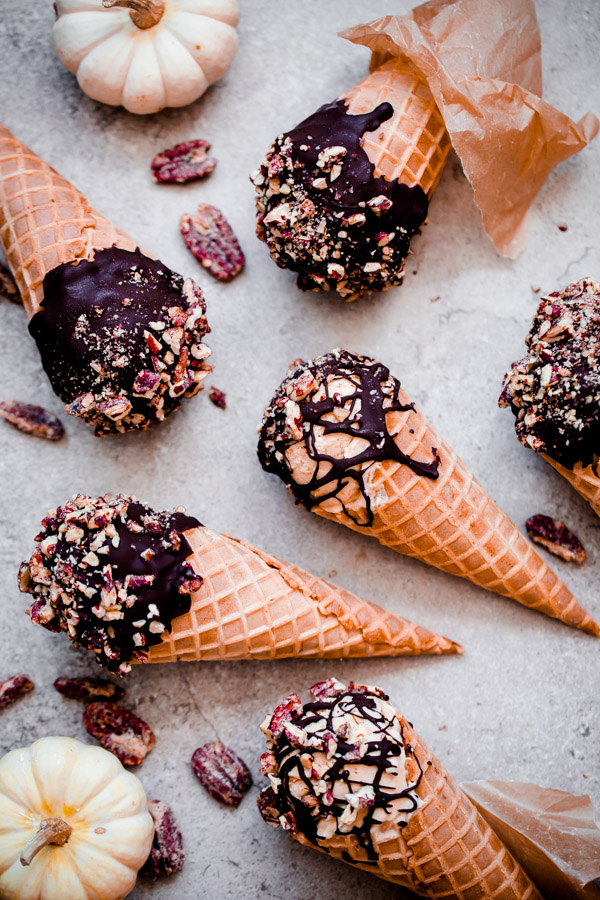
268,806
119,731
282,714
219,398
31,419
183,162
555,537
13,688
89,689
209,236
225,776
8,285
167,854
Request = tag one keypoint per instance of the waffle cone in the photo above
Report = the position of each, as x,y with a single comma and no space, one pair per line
453,524
44,220
253,606
411,146
584,479
446,850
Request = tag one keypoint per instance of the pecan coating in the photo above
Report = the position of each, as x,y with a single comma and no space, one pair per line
111,572
555,537
167,854
89,689
554,391
13,688
209,236
220,770
121,339
31,419
119,731
184,162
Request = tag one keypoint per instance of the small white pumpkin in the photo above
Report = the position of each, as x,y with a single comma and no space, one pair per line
74,825
146,54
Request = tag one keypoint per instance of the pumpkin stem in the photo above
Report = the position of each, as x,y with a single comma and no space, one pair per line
51,831
144,13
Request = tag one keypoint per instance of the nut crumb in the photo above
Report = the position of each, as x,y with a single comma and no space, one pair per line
219,398
556,538
434,299
562,226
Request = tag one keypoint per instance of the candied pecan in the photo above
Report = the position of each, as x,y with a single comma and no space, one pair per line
219,398
13,688
31,419
89,688
119,731
209,236
167,854
183,162
282,714
555,537
324,690
8,285
225,776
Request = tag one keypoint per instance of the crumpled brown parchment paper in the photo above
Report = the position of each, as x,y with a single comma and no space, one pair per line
551,833
482,61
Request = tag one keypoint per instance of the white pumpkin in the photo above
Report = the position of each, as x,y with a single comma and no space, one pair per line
82,800
146,54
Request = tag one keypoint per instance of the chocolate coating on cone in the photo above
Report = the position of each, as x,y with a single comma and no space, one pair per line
554,391
112,573
340,393
324,214
120,338
339,766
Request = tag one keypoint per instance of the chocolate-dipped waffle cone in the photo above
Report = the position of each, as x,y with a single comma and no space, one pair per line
436,844
254,606
44,220
584,479
119,333
411,146
340,196
407,488
134,584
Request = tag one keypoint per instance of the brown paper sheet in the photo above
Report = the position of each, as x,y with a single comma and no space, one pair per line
552,834
482,61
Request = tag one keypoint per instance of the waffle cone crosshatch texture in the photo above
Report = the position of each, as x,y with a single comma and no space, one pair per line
368,250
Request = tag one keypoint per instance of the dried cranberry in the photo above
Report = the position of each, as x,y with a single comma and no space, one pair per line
209,236
183,162
220,770
119,731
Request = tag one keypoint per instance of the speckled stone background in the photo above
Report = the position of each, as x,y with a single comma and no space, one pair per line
522,703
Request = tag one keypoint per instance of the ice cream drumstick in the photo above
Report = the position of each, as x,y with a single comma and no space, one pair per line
119,333
554,391
340,196
136,585
350,445
350,777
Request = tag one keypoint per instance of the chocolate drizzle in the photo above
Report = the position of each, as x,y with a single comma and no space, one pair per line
324,213
310,397
344,790
120,337
554,391
112,573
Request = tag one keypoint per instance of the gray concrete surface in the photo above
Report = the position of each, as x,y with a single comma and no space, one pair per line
523,701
